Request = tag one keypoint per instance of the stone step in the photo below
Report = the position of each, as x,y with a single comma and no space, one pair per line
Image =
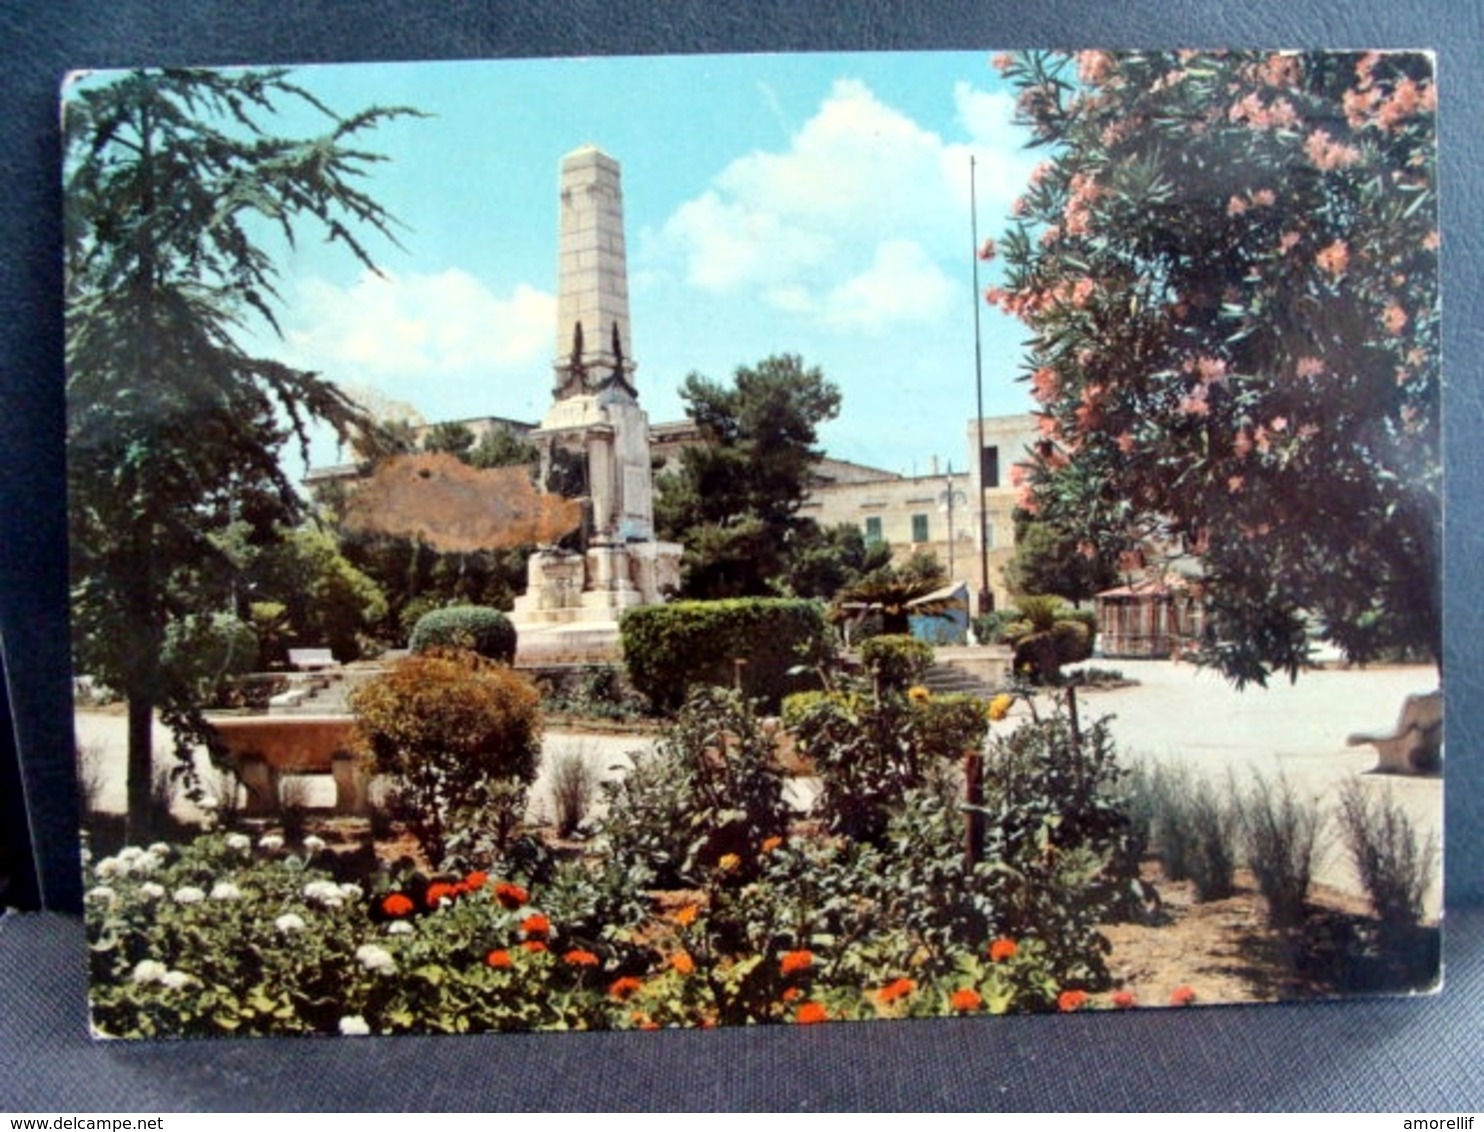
949,678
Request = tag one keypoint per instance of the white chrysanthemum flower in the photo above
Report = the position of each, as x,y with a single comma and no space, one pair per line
313,844
270,843
225,890
101,894
149,971
130,853
399,927
160,849
152,890
354,1026
239,841
351,891
325,892
144,864
176,980
289,922
188,894
87,855
208,802
376,959
108,868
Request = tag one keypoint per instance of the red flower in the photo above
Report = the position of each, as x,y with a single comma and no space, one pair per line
1182,996
683,962
1002,949
897,988
811,1012
536,926
1123,999
965,1000
397,904
1070,1001
534,946
475,881
579,958
438,891
512,896
499,959
791,993
624,987
796,961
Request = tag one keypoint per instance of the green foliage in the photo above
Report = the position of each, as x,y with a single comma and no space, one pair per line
574,785
485,632
1229,270
204,652
1057,827
669,649
1047,635
897,660
870,752
890,590
500,448
1049,560
458,735
1281,836
454,437
823,562
710,791
1195,826
171,180
734,501
1393,861
323,600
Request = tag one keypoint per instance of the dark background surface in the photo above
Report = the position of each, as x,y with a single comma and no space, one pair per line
1387,1054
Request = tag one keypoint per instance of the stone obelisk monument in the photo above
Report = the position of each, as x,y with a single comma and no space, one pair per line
595,425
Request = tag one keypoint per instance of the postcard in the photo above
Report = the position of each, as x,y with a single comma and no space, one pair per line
628,543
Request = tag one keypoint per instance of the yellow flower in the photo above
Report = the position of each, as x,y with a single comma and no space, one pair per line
918,694
999,707
728,862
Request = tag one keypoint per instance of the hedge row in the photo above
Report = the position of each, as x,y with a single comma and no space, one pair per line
671,648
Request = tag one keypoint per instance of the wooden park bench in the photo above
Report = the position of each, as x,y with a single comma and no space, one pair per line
1415,744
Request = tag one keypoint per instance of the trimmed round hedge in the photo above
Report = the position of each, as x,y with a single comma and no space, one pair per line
486,632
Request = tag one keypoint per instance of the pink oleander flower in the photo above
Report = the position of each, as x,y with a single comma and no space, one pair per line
1334,259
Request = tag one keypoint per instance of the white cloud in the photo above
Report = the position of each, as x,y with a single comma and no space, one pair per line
902,285
424,338
856,219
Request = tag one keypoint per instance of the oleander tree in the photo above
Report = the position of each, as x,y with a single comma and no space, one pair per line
1228,266
174,186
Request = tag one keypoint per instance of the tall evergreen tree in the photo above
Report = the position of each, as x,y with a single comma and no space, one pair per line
172,184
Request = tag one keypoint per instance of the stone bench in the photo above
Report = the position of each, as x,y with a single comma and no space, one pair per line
312,660
264,748
1415,744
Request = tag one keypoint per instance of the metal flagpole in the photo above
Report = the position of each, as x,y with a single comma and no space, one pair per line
986,597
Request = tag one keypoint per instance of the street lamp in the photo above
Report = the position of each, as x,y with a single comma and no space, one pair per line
948,499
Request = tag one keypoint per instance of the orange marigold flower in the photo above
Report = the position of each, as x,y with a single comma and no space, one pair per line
811,1012
771,843
476,880
897,988
1070,1001
1123,999
512,896
579,958
438,892
796,961
728,862
919,694
499,959
687,915
397,904
624,987
1182,996
536,926
534,946
1000,706
682,962
791,993
1002,949
965,1000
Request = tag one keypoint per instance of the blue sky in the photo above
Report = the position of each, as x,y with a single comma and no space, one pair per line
813,204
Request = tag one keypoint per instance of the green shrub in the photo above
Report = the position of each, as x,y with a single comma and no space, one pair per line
1281,835
206,651
709,791
486,632
1393,861
670,649
574,785
989,628
1195,827
870,751
1048,634
897,659
459,735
